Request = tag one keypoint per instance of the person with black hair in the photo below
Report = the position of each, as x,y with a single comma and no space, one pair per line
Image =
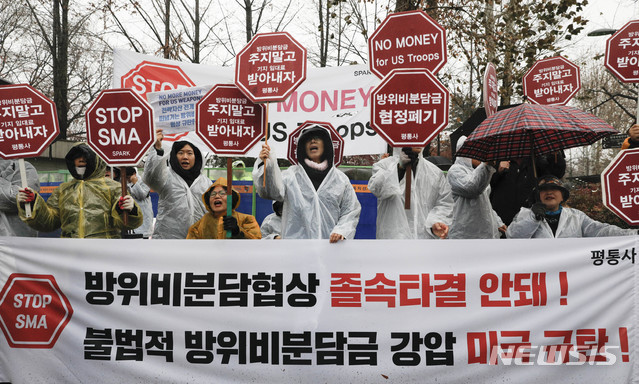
272,224
319,200
548,218
431,208
215,223
89,206
179,184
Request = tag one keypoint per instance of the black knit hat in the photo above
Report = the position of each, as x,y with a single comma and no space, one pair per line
552,182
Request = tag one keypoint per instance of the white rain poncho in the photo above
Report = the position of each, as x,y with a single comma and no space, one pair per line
307,213
10,183
431,200
572,223
271,226
142,195
473,216
179,205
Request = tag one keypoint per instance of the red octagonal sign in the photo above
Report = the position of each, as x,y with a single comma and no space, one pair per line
552,81
228,122
28,122
620,186
407,40
120,127
33,311
622,53
338,141
409,108
154,77
270,67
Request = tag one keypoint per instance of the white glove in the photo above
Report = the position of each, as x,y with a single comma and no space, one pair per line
126,203
403,158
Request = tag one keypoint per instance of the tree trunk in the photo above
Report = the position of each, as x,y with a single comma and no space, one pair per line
508,80
249,20
405,5
196,33
167,29
60,63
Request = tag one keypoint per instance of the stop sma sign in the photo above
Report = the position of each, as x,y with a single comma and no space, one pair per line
120,127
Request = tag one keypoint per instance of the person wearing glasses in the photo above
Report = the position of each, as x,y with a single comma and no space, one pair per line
549,218
319,200
215,223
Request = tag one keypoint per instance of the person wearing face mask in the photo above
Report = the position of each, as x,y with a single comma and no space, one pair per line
549,218
215,223
89,206
179,184
319,200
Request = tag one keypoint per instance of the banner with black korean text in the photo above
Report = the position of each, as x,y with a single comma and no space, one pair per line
306,311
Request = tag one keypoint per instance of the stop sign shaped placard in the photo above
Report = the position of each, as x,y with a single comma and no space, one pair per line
120,127
407,40
28,122
33,311
491,90
270,67
622,53
154,77
620,186
409,108
552,81
228,122
336,139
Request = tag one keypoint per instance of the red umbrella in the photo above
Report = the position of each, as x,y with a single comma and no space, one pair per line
530,129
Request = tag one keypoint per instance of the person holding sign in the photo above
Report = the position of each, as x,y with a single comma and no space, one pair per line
431,210
473,216
10,184
89,206
142,195
319,201
215,223
180,186
548,218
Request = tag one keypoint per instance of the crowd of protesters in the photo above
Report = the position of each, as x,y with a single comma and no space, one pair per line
311,199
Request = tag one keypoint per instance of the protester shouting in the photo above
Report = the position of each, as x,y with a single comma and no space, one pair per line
89,206
319,200
179,184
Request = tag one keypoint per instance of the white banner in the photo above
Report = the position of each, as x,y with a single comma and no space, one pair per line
306,311
338,95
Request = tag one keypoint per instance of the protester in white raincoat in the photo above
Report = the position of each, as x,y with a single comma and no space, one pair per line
473,215
431,207
271,226
549,219
319,200
10,184
180,186
142,195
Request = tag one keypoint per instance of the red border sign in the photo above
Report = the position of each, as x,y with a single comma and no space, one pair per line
270,67
120,126
491,90
552,81
154,77
338,141
620,186
407,40
229,122
28,121
409,107
622,53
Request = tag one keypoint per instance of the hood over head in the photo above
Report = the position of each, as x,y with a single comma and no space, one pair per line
222,183
96,167
188,175
306,135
